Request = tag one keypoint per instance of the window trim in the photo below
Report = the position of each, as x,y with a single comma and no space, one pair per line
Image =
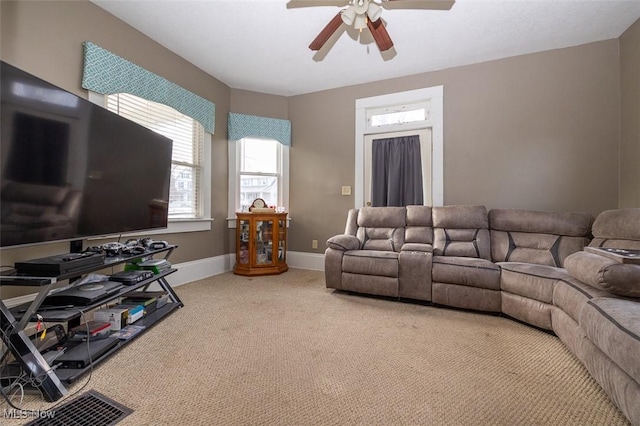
234,179
181,225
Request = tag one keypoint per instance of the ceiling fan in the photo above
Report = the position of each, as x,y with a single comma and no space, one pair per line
365,14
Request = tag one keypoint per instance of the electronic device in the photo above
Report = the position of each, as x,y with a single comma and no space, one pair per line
83,353
59,264
72,169
131,277
158,245
157,266
54,337
84,294
92,330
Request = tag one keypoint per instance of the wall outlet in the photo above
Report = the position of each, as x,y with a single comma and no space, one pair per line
314,244
346,190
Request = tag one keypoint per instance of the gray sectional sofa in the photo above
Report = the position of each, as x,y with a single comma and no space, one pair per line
556,271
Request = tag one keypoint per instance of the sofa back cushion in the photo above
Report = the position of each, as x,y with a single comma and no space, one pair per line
617,229
419,228
461,231
542,238
381,228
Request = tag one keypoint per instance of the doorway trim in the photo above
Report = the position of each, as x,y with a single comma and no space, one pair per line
435,122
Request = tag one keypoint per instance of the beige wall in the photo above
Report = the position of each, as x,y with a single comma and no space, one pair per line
45,38
538,131
630,117
254,103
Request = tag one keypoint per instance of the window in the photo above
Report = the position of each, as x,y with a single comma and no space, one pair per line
258,168
398,114
186,200
259,172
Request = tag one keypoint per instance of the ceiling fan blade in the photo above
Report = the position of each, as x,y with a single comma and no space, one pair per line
418,4
311,3
326,32
380,35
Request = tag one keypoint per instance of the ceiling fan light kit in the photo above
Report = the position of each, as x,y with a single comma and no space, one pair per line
373,12
366,14
348,15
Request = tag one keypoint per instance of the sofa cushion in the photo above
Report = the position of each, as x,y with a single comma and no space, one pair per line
461,231
381,239
531,281
540,249
613,325
466,271
460,217
371,262
605,273
571,295
621,224
382,217
537,222
419,227
543,238
379,228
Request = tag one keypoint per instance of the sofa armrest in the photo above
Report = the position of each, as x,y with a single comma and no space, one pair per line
604,273
419,247
344,242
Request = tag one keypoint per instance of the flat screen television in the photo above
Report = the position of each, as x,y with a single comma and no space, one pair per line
72,169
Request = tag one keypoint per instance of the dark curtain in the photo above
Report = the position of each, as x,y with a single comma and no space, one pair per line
396,172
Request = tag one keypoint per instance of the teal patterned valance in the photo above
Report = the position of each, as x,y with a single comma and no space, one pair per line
242,126
108,73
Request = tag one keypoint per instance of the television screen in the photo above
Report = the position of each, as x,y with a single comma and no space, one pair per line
72,169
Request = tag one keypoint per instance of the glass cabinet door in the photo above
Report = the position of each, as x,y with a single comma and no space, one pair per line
282,240
264,242
244,253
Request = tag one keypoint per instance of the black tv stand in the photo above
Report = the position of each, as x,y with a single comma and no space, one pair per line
14,321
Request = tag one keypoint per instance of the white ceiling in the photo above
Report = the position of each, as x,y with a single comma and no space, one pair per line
261,45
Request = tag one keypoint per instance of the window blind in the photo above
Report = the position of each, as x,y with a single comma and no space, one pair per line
188,139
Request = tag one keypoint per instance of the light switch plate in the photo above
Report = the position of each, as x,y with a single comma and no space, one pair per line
346,190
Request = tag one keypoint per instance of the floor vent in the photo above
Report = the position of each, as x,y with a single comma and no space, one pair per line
89,409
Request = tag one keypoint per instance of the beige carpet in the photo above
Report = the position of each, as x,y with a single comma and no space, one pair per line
284,350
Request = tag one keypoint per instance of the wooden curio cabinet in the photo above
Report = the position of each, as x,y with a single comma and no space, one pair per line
261,243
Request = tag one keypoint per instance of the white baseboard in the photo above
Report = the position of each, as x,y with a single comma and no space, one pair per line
203,268
200,269
302,260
